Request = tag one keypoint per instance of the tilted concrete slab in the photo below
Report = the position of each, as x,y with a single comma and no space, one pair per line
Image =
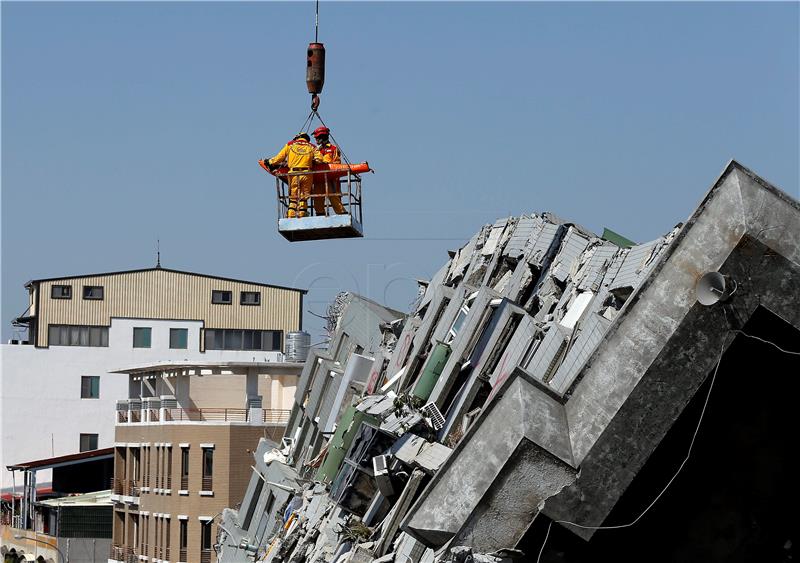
521,414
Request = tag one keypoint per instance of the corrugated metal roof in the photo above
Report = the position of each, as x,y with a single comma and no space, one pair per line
159,269
57,461
97,498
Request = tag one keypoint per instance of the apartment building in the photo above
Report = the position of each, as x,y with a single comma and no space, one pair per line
183,451
80,328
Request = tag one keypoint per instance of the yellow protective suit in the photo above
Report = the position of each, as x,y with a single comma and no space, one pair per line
299,156
328,153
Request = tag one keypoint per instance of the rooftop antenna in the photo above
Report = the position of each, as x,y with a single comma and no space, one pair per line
158,253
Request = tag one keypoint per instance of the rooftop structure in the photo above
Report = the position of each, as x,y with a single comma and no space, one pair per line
75,518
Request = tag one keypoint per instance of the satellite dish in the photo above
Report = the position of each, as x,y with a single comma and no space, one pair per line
712,288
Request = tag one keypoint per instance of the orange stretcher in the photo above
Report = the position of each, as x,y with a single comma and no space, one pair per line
330,170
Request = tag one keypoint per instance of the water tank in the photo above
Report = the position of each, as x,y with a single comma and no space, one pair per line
297,345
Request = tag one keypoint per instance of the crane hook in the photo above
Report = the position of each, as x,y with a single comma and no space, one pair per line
314,102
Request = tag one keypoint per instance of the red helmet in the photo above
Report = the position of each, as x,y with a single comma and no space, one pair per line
319,131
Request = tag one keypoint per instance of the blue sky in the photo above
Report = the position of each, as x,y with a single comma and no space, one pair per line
123,123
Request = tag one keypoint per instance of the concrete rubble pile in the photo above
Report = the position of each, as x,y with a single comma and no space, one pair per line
378,413
528,381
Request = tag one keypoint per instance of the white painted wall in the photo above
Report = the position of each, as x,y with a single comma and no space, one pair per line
41,412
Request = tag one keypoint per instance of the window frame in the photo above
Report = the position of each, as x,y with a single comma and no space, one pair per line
205,534
185,460
61,287
88,296
208,455
222,293
149,336
88,436
83,332
251,508
91,387
256,303
183,534
224,336
185,332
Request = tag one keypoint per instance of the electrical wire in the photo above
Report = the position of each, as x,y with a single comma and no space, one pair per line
688,453
743,333
664,490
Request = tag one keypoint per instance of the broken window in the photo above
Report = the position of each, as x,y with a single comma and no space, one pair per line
460,318
354,486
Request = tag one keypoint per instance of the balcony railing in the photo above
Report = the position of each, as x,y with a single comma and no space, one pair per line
184,485
133,488
208,484
275,417
182,554
117,553
207,414
118,486
205,556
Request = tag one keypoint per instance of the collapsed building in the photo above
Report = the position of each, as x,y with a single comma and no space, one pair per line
546,378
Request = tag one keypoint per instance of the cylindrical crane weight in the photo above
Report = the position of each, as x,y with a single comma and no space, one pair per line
315,68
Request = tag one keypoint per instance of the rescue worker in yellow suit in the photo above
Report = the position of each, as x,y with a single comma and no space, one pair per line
328,153
299,155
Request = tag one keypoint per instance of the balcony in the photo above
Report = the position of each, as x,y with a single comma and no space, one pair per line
118,486
183,554
207,484
269,417
205,556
